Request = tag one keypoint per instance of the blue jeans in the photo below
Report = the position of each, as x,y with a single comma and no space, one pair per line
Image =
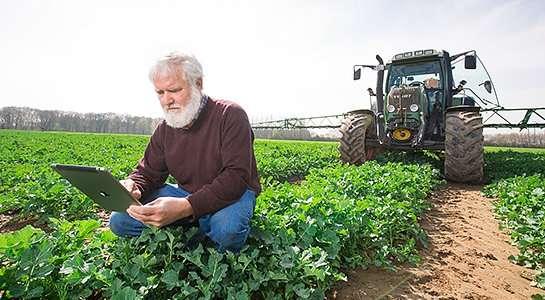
228,227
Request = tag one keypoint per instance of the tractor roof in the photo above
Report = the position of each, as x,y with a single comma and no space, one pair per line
417,54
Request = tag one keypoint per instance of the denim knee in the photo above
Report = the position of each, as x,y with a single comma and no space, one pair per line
229,227
167,190
124,225
230,237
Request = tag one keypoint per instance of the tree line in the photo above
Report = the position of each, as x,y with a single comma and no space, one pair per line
25,118
292,134
524,139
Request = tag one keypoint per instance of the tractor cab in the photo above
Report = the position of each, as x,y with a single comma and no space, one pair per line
415,96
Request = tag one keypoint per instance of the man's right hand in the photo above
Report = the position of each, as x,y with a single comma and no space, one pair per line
130,185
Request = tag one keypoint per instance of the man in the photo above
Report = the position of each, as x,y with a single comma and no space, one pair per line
431,83
207,146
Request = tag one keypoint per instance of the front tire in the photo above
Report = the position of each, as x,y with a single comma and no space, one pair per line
464,143
352,143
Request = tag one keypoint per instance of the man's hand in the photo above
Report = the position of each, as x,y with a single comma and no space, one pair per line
130,185
161,211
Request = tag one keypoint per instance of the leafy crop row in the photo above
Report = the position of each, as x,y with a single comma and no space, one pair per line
521,208
279,161
507,164
519,186
29,187
303,236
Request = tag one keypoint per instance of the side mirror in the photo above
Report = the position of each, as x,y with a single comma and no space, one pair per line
357,73
470,62
488,86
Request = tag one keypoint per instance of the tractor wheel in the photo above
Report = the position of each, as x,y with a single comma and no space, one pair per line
464,158
353,130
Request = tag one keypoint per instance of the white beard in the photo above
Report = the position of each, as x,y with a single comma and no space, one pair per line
184,116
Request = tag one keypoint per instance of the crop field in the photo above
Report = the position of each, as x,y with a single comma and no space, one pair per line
315,219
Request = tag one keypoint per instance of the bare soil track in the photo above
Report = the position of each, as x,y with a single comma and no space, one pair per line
467,257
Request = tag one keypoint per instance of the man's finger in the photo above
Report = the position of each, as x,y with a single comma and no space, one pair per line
136,194
139,215
133,215
127,184
144,209
142,218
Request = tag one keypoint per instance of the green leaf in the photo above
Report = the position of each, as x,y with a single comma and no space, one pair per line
125,293
301,291
19,240
286,262
171,279
195,256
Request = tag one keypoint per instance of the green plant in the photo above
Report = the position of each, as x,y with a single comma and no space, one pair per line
520,207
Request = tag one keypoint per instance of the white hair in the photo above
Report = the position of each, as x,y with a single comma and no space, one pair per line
176,63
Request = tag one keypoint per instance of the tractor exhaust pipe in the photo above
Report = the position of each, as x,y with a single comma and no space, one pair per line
380,84
380,99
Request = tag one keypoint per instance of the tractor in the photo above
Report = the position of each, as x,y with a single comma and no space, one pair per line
418,106
423,100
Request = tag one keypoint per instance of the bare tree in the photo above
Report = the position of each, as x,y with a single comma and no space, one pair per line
34,119
526,138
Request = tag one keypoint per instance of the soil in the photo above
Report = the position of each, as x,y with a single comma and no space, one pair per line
467,257
104,217
11,221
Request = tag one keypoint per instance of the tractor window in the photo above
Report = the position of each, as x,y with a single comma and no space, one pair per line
427,74
476,83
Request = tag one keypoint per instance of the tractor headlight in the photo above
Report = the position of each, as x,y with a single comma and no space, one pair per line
413,107
390,108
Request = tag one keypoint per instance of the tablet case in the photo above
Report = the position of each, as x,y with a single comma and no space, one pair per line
99,185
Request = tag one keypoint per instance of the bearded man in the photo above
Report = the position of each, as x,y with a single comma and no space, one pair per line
207,146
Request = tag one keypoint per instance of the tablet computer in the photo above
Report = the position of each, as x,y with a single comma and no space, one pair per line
99,185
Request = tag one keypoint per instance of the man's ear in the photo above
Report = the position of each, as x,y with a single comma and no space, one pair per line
198,83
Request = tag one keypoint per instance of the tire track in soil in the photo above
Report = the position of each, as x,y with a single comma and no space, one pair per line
467,257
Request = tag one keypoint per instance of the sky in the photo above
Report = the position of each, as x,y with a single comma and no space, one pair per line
275,58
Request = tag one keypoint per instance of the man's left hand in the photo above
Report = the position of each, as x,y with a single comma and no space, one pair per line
161,211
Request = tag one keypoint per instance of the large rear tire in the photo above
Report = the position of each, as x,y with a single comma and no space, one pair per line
352,146
464,158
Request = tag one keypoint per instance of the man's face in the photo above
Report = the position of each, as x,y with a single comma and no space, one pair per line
179,99
173,92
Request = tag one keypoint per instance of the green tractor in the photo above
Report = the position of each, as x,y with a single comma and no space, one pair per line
424,100
417,105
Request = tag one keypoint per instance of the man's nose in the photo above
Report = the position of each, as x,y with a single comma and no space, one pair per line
167,98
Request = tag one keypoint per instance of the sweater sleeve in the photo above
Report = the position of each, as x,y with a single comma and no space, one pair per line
236,157
151,171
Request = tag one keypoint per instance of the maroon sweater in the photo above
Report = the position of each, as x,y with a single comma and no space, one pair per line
213,159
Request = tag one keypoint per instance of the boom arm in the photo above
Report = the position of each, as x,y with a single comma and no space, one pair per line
334,121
